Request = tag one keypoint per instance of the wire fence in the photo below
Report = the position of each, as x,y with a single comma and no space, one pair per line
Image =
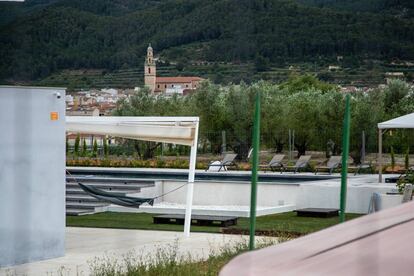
293,142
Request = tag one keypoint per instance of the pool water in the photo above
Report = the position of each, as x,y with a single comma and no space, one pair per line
199,176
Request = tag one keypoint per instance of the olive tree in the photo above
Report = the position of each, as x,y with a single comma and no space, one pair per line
274,122
209,103
239,115
311,114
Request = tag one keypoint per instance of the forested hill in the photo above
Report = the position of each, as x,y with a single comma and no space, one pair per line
404,8
43,36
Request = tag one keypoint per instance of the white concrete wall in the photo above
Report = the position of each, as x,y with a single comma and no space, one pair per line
231,193
327,196
153,191
32,174
322,194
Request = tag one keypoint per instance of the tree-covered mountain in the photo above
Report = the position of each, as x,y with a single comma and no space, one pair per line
114,34
11,10
397,7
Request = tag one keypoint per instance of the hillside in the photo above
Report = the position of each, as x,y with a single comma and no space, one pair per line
11,10
50,36
403,8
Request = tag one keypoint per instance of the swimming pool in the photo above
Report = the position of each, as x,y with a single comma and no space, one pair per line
178,174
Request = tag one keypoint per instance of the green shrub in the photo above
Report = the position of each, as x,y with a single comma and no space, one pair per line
392,158
407,159
409,178
160,163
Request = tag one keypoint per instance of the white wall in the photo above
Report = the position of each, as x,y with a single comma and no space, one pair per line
32,174
231,193
327,196
316,194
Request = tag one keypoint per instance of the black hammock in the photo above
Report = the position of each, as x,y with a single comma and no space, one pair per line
122,199
116,198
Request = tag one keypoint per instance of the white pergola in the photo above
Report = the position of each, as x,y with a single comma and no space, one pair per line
406,121
176,130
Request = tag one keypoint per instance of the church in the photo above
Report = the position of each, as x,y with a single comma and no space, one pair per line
167,85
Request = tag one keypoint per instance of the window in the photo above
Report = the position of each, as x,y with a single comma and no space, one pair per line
172,85
165,86
158,86
149,70
186,85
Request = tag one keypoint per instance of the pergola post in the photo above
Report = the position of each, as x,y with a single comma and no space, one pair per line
190,186
380,155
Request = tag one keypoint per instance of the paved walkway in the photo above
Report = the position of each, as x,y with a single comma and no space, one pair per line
85,244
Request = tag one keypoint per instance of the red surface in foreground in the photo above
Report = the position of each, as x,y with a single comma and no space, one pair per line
376,244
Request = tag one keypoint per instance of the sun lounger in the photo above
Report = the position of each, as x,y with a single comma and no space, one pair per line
357,168
275,163
333,162
301,163
228,161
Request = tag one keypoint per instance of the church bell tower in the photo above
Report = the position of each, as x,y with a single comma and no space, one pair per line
150,70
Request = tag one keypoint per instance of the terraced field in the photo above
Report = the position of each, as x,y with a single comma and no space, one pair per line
223,73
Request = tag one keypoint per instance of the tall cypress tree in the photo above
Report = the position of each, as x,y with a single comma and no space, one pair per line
105,147
95,148
84,149
77,142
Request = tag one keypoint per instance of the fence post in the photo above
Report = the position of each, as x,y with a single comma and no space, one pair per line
363,148
290,146
223,139
345,154
255,163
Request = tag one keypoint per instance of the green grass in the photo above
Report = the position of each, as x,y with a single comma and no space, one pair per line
129,221
290,223
287,223
166,261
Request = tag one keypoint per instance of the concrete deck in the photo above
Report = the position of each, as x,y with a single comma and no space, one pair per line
85,244
203,210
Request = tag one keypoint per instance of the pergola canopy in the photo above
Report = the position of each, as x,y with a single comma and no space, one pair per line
406,121
176,130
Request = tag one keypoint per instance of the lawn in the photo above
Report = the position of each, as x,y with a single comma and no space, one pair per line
286,223
166,262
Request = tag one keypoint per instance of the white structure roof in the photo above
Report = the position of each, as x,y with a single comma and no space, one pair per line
176,130
406,121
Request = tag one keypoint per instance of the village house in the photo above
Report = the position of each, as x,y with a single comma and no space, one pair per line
394,75
334,68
